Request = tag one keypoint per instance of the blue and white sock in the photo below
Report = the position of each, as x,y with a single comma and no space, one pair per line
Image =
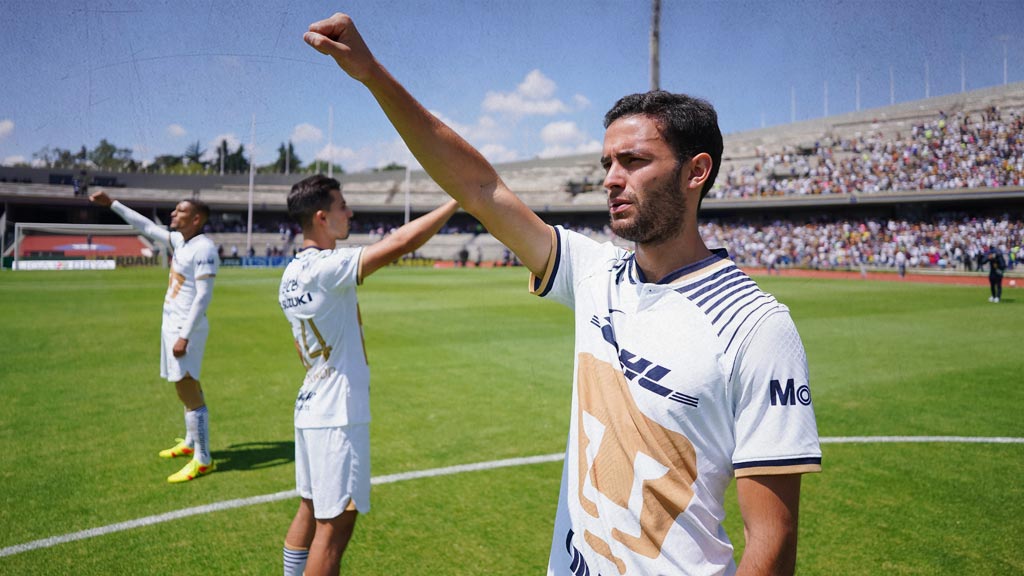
197,422
294,561
190,441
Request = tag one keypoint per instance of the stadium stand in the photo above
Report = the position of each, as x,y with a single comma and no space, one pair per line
940,178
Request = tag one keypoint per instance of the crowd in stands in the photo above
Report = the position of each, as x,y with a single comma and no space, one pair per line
949,152
951,243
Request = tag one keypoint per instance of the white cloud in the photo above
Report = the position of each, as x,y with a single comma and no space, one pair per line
486,129
12,160
536,86
306,133
6,128
337,154
561,132
581,101
176,130
496,153
532,97
564,138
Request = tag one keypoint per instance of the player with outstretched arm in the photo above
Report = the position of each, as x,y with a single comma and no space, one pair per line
687,375
185,328
332,410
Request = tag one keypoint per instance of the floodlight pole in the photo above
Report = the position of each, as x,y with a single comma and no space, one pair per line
3,236
330,141
408,186
655,42
252,182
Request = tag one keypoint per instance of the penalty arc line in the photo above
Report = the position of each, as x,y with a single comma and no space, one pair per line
430,473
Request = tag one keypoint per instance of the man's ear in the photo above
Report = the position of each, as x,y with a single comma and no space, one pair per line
319,216
700,170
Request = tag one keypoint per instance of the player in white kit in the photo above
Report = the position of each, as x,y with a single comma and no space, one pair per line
686,374
332,410
185,328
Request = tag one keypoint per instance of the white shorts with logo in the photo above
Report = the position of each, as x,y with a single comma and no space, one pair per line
174,369
332,468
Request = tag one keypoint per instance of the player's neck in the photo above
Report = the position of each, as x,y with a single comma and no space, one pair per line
320,243
659,260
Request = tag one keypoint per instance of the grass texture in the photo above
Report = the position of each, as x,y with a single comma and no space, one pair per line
468,367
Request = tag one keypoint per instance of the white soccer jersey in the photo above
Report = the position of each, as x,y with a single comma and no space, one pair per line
678,387
318,297
193,260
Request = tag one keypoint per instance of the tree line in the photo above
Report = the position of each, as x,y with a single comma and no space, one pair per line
107,156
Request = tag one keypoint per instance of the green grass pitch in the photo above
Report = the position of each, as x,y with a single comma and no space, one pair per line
468,367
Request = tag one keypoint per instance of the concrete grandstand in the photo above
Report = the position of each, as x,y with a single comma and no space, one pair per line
564,190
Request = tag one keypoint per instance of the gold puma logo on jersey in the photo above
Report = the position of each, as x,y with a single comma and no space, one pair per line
174,281
629,461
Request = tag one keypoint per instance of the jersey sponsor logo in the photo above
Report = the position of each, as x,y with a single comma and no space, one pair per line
289,286
293,301
788,396
303,399
640,370
634,475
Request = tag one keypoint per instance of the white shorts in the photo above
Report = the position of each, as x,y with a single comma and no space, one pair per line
174,369
332,468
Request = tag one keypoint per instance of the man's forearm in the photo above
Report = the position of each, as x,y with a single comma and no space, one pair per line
204,293
417,232
451,161
141,223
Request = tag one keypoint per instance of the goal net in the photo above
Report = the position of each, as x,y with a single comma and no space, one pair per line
51,246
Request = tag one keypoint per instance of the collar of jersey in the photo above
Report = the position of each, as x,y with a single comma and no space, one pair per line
717,255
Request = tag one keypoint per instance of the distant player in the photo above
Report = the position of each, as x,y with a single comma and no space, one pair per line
332,411
687,375
185,327
996,269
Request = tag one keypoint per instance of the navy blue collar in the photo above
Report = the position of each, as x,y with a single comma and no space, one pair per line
717,255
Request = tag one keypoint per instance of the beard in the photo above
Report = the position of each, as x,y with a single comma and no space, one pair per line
659,215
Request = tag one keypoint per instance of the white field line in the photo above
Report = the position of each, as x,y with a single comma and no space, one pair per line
433,472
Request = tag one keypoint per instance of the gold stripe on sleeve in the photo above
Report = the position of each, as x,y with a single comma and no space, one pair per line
538,287
776,470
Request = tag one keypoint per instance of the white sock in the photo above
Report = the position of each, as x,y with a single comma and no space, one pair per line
190,441
197,422
294,561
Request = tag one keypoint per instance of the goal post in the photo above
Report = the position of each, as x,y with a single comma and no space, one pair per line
55,246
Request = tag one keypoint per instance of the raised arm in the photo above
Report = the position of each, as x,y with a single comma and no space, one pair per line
451,161
138,221
404,240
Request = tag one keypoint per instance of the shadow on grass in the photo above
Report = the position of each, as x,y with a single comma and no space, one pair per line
254,455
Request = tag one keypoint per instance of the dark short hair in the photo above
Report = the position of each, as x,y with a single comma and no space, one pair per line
310,195
689,125
201,208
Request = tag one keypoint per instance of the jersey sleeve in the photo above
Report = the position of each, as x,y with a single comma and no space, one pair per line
775,428
573,256
339,269
206,262
149,228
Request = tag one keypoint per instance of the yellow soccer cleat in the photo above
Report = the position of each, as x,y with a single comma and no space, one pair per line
191,471
179,449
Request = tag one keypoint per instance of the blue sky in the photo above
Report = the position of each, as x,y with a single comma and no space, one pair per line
518,78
